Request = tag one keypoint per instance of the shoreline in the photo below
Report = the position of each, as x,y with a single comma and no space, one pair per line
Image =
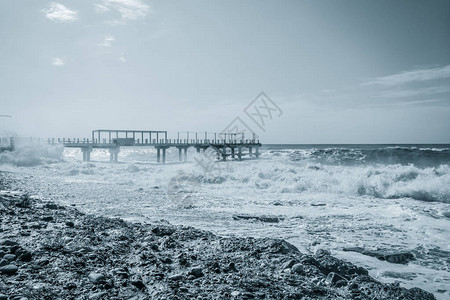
61,253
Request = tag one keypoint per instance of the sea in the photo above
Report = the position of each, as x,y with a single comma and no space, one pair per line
392,198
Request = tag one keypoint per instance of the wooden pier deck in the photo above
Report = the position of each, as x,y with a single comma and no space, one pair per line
225,144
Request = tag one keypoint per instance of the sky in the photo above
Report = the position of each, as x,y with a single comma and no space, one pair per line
331,71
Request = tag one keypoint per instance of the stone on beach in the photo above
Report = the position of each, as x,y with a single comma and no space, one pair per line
267,219
392,257
96,278
196,272
9,269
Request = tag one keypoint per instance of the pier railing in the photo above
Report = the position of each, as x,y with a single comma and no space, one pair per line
225,144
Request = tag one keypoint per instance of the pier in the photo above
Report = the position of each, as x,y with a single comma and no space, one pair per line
234,145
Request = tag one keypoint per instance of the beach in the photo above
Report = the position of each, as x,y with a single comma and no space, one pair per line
50,251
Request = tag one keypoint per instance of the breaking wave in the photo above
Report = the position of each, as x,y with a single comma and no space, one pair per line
421,157
378,181
31,154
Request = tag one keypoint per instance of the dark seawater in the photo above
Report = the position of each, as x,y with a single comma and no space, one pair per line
419,155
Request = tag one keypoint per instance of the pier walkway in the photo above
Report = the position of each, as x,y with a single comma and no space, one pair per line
225,144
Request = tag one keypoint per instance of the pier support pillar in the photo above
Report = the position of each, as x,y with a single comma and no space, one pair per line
158,155
257,154
114,154
164,155
250,151
86,153
232,152
224,154
240,153
179,154
185,154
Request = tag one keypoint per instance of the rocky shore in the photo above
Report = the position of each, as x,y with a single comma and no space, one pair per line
48,251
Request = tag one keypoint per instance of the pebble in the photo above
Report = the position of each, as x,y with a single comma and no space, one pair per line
47,218
289,264
51,206
97,295
70,224
9,269
335,279
3,262
24,255
196,272
176,277
96,277
3,297
9,257
138,283
9,243
297,268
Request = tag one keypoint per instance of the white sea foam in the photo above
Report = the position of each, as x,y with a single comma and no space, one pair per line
31,154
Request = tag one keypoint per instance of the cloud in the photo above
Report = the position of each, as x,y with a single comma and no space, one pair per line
58,62
100,8
129,10
107,41
412,76
59,13
415,92
122,59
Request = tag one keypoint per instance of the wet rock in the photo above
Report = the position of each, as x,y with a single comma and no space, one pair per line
267,219
318,204
9,269
96,278
231,267
24,255
97,295
283,247
70,224
3,297
47,218
122,272
392,257
9,243
176,277
4,262
167,260
196,272
368,288
137,282
289,264
334,279
9,257
327,263
297,268
18,297
163,230
51,206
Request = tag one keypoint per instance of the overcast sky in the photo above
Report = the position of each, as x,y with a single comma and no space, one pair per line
346,71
